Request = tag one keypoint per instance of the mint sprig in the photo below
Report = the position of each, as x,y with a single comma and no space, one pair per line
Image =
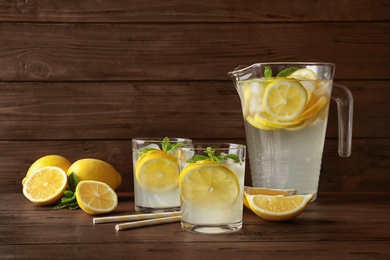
282,74
210,155
267,72
69,200
166,146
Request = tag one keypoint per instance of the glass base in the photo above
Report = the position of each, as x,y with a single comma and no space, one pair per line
141,209
212,229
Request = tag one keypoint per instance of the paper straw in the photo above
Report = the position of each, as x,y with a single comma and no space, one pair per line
135,217
149,222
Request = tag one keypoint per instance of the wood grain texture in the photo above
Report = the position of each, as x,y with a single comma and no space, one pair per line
185,51
81,78
352,226
200,11
366,170
124,110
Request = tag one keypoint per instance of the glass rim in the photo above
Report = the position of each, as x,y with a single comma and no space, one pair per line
204,146
160,139
241,68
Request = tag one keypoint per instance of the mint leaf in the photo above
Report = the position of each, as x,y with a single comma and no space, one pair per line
197,157
69,193
69,199
72,182
287,72
167,146
67,202
212,157
234,157
267,72
145,150
74,205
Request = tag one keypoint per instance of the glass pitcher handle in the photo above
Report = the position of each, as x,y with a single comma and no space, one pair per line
343,97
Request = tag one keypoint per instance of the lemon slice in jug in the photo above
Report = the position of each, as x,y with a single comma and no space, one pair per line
285,100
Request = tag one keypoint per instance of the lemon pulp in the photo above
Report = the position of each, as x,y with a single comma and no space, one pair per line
157,171
208,186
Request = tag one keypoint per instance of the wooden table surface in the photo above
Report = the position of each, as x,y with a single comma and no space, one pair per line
337,225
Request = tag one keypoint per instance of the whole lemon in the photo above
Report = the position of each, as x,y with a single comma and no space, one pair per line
96,170
48,160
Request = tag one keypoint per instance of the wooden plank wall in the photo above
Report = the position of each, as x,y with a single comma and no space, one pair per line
81,78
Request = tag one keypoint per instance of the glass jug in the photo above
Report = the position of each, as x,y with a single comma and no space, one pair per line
285,109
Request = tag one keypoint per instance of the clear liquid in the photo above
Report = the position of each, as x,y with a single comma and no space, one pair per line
152,201
148,201
282,159
285,158
206,217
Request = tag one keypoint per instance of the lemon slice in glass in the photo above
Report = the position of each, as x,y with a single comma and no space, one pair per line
208,186
157,171
284,99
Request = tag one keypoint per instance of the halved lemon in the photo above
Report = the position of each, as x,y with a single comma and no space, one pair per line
208,186
265,191
46,185
284,99
278,208
48,160
157,171
96,197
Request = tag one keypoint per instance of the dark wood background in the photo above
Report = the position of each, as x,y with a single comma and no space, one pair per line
82,78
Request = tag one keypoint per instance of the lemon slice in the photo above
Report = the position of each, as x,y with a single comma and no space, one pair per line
307,78
208,186
96,197
284,100
304,73
265,191
157,171
46,185
314,107
258,124
266,120
278,208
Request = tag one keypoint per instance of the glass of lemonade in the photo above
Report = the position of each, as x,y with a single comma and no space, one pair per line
211,187
156,174
285,108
